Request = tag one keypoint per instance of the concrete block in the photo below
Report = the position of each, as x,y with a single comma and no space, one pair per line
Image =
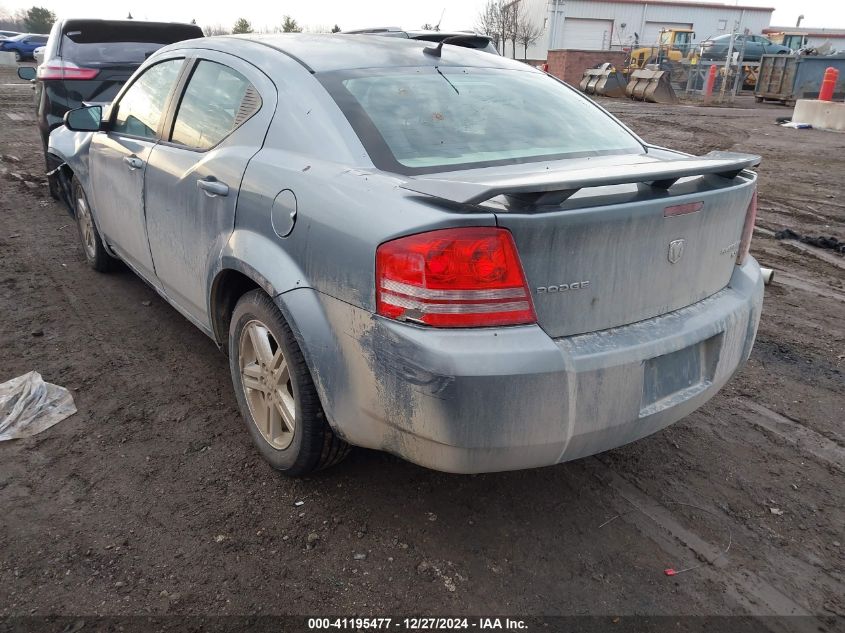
7,59
825,115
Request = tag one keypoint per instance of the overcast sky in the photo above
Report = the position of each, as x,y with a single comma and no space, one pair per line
459,14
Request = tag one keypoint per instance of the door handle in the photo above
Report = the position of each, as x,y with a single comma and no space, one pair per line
213,187
133,161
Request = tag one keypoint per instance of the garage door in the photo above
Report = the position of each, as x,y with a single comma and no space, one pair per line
592,35
651,32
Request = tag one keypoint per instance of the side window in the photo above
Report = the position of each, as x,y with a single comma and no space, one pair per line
140,109
216,101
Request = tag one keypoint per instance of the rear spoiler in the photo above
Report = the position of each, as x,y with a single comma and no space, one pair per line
553,187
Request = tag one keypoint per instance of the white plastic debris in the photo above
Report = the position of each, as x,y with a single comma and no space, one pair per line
28,405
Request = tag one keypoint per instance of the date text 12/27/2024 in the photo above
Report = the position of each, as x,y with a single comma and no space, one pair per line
417,624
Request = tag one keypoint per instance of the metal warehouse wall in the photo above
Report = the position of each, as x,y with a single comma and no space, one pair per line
836,41
706,20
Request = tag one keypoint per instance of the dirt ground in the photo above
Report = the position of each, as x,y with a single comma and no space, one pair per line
151,499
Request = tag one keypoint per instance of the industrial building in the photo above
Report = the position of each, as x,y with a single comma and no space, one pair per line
616,24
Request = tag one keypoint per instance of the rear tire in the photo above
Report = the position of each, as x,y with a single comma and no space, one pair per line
92,245
279,401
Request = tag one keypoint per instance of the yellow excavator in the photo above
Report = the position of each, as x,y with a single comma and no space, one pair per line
673,45
792,39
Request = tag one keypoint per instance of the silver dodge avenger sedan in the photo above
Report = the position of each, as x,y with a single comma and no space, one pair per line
419,248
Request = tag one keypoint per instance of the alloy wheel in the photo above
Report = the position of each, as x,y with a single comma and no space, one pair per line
86,226
267,384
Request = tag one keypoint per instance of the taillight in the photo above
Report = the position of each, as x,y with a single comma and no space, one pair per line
462,277
747,230
65,70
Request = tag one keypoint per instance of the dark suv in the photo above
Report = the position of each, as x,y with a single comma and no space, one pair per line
87,62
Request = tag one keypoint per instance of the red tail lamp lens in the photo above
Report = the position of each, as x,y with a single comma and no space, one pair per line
464,277
66,70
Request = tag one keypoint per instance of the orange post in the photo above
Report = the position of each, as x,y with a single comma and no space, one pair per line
711,80
828,84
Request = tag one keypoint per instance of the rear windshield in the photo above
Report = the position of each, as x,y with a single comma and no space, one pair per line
420,120
110,43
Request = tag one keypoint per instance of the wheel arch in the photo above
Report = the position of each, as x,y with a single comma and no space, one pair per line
228,286
248,260
303,312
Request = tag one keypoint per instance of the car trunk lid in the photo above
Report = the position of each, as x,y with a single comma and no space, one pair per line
627,240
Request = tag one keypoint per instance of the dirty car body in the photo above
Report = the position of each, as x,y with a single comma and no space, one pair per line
470,289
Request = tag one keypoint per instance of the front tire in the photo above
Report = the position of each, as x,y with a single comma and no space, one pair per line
275,392
89,237
18,56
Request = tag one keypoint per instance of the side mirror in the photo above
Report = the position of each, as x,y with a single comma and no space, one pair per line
87,119
27,73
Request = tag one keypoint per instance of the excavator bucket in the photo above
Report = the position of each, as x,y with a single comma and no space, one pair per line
651,85
603,81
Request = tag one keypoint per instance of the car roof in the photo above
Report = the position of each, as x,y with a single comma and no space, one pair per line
330,52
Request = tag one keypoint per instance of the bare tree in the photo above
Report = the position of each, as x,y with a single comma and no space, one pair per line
527,32
12,21
493,22
215,29
486,22
510,17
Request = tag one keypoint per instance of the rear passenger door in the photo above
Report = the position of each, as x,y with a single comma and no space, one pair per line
194,174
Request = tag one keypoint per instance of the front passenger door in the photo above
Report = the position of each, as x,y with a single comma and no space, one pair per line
118,160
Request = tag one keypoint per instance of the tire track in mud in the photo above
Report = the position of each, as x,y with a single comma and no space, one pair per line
746,589
785,278
810,442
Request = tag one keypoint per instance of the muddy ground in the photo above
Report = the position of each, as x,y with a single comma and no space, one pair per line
151,499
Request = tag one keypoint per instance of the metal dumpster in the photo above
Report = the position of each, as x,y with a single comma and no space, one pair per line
786,78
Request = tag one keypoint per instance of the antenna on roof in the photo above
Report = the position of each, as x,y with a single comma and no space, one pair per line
437,26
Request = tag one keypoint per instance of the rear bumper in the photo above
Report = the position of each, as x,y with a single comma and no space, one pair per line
510,398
